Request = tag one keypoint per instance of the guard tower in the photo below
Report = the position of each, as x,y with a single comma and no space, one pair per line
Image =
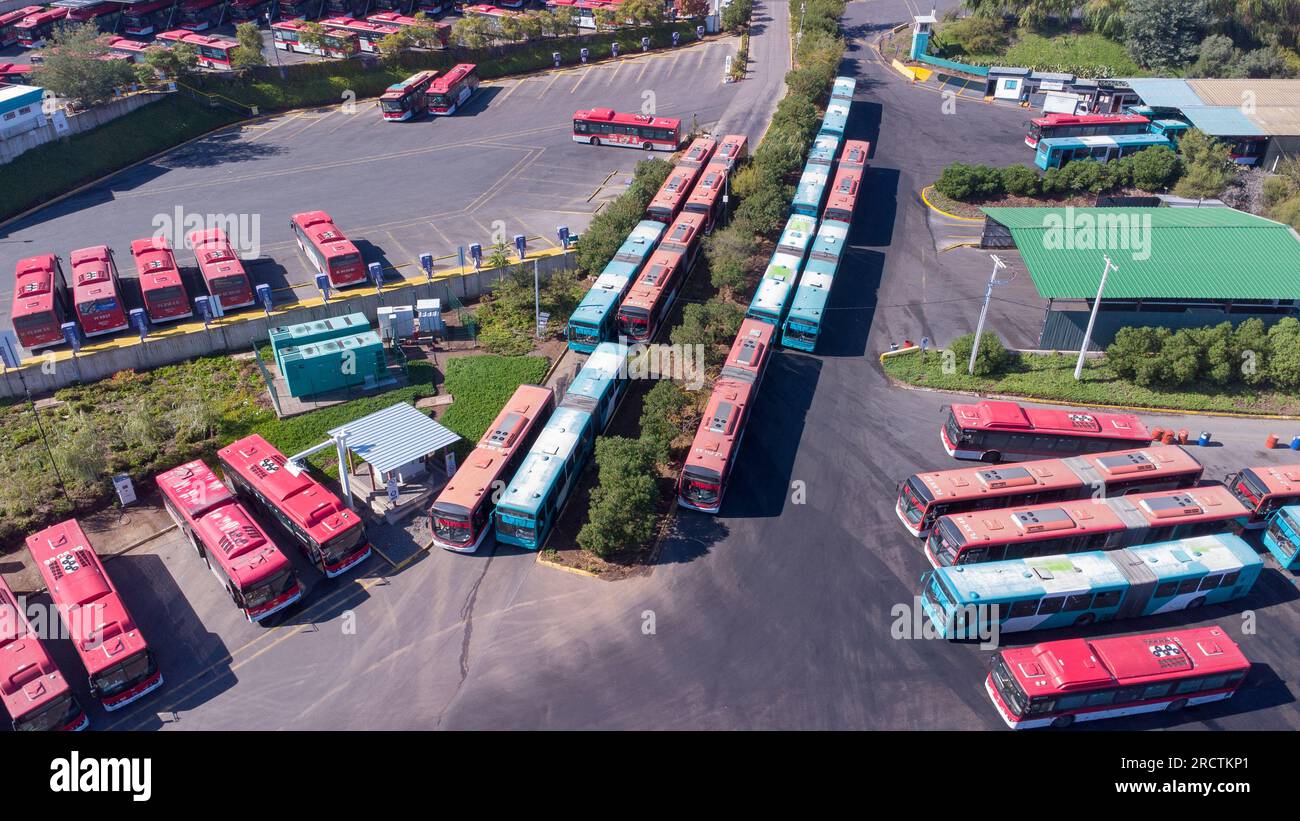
922,28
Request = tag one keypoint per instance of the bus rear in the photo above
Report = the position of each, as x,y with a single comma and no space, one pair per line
40,301
161,288
121,666
32,688
96,291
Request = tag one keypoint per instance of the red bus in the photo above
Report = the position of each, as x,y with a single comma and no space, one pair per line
34,691
1004,431
334,42
1265,489
10,19
97,291
1083,524
16,73
396,18
599,126
732,149
855,154
36,27
332,537
668,200
164,294
297,9
104,15
713,453
368,33
1056,683
453,89
213,51
408,99
843,197
199,15
242,11
698,153
461,516
706,197
117,658
143,19
924,497
1084,125
646,304
40,301
127,49
221,269
258,578
329,251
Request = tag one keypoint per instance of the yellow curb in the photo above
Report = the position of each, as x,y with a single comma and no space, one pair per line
911,349
566,568
938,210
960,245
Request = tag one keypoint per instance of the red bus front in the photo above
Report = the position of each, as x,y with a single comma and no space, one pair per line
453,89
96,292
165,298
1265,489
222,271
199,15
245,10
9,21
40,297
34,29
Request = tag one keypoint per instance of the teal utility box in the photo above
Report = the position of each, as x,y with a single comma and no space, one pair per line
285,337
332,364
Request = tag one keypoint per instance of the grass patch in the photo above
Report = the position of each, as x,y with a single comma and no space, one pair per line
1087,55
1051,376
481,386
51,169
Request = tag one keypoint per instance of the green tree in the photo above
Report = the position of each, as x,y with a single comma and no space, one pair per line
425,33
736,16
712,324
1284,354
1181,359
993,357
249,51
1165,34
1215,56
766,207
1132,347
1207,166
312,35
1155,168
694,8
74,67
605,18
471,32
622,510
660,418
392,45
731,252
1105,17
1251,343
1020,180
971,35
176,62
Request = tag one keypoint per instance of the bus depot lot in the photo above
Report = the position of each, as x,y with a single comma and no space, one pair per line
506,160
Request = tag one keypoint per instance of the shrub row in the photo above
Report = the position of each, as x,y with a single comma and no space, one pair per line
1221,356
1151,169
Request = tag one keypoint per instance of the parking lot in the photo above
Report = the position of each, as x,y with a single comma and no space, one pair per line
503,165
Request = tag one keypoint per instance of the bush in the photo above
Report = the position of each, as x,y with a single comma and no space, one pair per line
1284,354
764,210
964,182
1276,190
971,35
1155,168
1132,348
622,508
731,253
712,324
1020,180
659,418
993,356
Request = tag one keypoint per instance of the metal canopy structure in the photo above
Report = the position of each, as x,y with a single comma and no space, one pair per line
1227,107
394,437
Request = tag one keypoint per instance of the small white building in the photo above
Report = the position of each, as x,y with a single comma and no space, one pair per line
20,110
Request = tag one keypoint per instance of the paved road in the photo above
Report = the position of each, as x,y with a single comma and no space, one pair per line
506,164
774,615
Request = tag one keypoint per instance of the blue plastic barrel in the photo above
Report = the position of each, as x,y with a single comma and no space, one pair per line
1205,438
1295,443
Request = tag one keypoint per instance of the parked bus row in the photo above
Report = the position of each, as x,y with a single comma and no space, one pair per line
428,92
44,299
711,459
1060,138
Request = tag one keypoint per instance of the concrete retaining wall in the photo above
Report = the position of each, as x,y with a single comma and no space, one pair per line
238,332
12,146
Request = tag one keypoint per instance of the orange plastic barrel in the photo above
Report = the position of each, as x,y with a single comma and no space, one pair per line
1271,441
1182,436
1156,434
1168,438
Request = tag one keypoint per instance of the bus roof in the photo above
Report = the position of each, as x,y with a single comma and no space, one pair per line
76,578
527,490
774,288
843,87
828,244
241,546
612,116
710,183
797,234
90,265
11,17
193,488
42,16
35,284
1087,119
606,364
640,242
855,154
683,231
720,429
698,152
473,480
731,149
29,678
595,304
659,269
1278,480
810,297
396,90
675,188
1103,140
824,149
453,75
353,24
749,351
321,230
1009,416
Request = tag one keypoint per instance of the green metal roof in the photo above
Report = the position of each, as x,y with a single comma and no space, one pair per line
1162,253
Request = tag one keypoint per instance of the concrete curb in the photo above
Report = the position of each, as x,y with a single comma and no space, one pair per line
939,210
574,570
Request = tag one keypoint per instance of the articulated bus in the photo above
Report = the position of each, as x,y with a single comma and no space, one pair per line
117,658
1282,536
9,21
163,292
825,149
803,324
605,126
1050,126
1078,589
213,51
243,11
222,272
34,691
772,297
334,42
1082,524
843,196
368,33
199,15
843,87
810,193
668,200
707,198
143,19
461,516
996,431
698,153
855,155
732,150
329,252
408,99
259,579
924,497
837,116
651,296
453,89
1056,152
33,29
332,536
97,291
40,304
1265,489
713,452
595,320
1057,683
531,503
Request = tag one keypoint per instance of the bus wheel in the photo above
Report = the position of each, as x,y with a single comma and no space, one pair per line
1196,602
1176,705
1061,722
594,141
1084,620
647,147
992,457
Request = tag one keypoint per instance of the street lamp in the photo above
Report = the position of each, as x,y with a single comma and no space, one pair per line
998,264
1092,317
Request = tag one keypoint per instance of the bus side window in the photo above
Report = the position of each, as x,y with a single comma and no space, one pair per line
1071,702
1020,609
1123,695
1166,590
1157,690
1209,582
1229,579
1050,605
1106,598
1187,586
1079,601
1039,706
1186,686
1101,699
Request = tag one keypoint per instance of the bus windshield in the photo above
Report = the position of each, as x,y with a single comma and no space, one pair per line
944,542
518,525
1284,532
1248,489
345,261
634,324
702,485
277,586
452,527
439,99
584,333
121,676
170,296
95,306
228,286
956,436
397,105
341,546
33,322
1008,689
58,713
914,497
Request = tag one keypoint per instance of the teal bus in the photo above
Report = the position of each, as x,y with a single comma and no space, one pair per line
1078,589
772,299
1282,535
595,320
807,311
843,88
530,504
811,191
1055,152
836,119
823,151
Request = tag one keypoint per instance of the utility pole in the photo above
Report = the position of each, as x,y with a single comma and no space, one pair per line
1092,317
998,264
803,7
